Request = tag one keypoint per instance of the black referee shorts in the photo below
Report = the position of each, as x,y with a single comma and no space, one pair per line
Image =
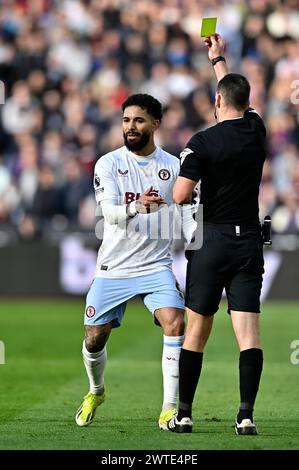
231,258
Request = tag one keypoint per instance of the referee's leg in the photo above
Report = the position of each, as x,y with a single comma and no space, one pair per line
197,334
246,328
243,293
197,331
203,294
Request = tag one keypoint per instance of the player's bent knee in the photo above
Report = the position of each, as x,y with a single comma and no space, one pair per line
175,327
96,338
92,345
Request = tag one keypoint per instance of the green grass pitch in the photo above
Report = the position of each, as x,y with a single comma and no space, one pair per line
43,382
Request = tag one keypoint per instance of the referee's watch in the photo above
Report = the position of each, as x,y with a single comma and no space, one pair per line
218,59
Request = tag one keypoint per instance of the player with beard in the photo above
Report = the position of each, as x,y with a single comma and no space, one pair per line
133,185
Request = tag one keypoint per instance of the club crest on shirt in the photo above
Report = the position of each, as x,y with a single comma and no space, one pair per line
96,182
164,174
122,173
90,311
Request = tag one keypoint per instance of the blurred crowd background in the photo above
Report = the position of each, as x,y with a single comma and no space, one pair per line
68,65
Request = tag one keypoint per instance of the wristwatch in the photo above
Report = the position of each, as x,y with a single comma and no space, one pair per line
218,59
131,209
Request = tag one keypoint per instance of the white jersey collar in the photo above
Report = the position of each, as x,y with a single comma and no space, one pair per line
141,158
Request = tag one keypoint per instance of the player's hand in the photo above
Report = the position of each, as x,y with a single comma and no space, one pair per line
216,45
149,201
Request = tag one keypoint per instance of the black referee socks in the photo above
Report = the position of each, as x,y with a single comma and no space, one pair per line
250,369
250,366
190,369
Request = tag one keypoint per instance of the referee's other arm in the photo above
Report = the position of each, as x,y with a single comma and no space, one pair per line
182,190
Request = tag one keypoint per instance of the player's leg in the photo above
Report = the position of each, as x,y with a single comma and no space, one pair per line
95,355
173,325
95,359
164,300
105,307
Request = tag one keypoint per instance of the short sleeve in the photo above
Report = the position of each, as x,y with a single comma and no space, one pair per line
192,159
104,182
252,114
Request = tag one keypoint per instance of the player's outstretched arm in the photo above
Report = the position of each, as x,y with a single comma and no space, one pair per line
216,46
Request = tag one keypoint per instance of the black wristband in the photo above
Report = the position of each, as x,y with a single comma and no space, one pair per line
217,59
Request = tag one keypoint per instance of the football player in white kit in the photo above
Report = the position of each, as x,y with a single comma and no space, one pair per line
133,186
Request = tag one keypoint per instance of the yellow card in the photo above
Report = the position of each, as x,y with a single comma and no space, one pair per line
208,27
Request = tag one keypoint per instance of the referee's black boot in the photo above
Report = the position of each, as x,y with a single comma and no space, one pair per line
184,425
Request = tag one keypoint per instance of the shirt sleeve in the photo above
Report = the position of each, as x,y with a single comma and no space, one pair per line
107,193
184,221
251,113
192,159
114,214
104,182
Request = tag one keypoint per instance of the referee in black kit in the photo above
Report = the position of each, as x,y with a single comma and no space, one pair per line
228,160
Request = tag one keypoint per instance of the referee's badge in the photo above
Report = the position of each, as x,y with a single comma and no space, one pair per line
164,174
184,154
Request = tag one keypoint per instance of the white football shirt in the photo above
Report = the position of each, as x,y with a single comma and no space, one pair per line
139,245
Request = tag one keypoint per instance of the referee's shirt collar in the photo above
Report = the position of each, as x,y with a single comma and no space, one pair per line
232,119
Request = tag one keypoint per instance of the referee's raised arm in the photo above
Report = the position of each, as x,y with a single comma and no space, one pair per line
216,46
184,185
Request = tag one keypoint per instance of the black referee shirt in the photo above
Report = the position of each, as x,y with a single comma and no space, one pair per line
228,158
